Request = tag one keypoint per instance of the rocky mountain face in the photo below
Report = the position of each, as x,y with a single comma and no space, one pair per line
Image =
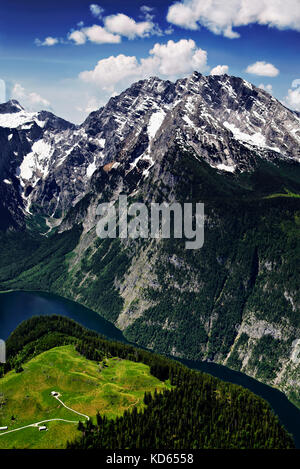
217,140
24,157
223,119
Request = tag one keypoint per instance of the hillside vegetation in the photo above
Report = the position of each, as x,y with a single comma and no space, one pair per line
142,400
110,388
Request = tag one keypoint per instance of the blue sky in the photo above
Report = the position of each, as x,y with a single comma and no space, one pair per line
70,56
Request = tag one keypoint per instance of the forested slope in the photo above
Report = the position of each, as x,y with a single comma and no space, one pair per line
199,411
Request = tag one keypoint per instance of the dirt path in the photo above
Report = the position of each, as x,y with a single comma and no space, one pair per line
69,408
37,424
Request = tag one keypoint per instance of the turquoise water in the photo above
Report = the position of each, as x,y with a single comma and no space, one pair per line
16,307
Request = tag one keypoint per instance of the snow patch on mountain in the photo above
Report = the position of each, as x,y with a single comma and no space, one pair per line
91,169
22,118
146,171
246,83
155,123
227,86
225,167
37,161
16,119
188,121
256,139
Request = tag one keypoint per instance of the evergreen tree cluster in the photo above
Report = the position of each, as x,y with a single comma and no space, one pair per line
200,412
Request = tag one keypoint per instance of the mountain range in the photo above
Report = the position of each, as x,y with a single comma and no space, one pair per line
217,140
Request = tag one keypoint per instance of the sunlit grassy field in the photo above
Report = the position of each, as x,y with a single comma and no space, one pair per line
85,386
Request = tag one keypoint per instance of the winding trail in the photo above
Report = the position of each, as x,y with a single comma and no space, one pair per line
36,424
69,408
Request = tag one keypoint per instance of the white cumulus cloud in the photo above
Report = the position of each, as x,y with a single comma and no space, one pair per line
96,10
78,37
128,27
268,88
96,34
146,9
262,68
110,71
292,100
48,41
147,12
221,16
92,104
219,70
177,58
99,35
30,100
170,60
111,32
115,26
296,83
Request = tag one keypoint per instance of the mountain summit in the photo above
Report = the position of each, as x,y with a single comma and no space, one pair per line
12,106
224,120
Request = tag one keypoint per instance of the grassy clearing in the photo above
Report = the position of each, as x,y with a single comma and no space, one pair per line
84,385
286,193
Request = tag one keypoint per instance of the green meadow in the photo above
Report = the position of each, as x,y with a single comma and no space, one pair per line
109,387
286,193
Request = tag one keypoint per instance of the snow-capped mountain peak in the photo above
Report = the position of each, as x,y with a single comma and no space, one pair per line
223,120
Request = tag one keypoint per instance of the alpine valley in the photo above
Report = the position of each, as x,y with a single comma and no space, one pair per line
217,140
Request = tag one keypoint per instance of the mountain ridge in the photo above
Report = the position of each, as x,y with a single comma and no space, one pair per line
217,116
